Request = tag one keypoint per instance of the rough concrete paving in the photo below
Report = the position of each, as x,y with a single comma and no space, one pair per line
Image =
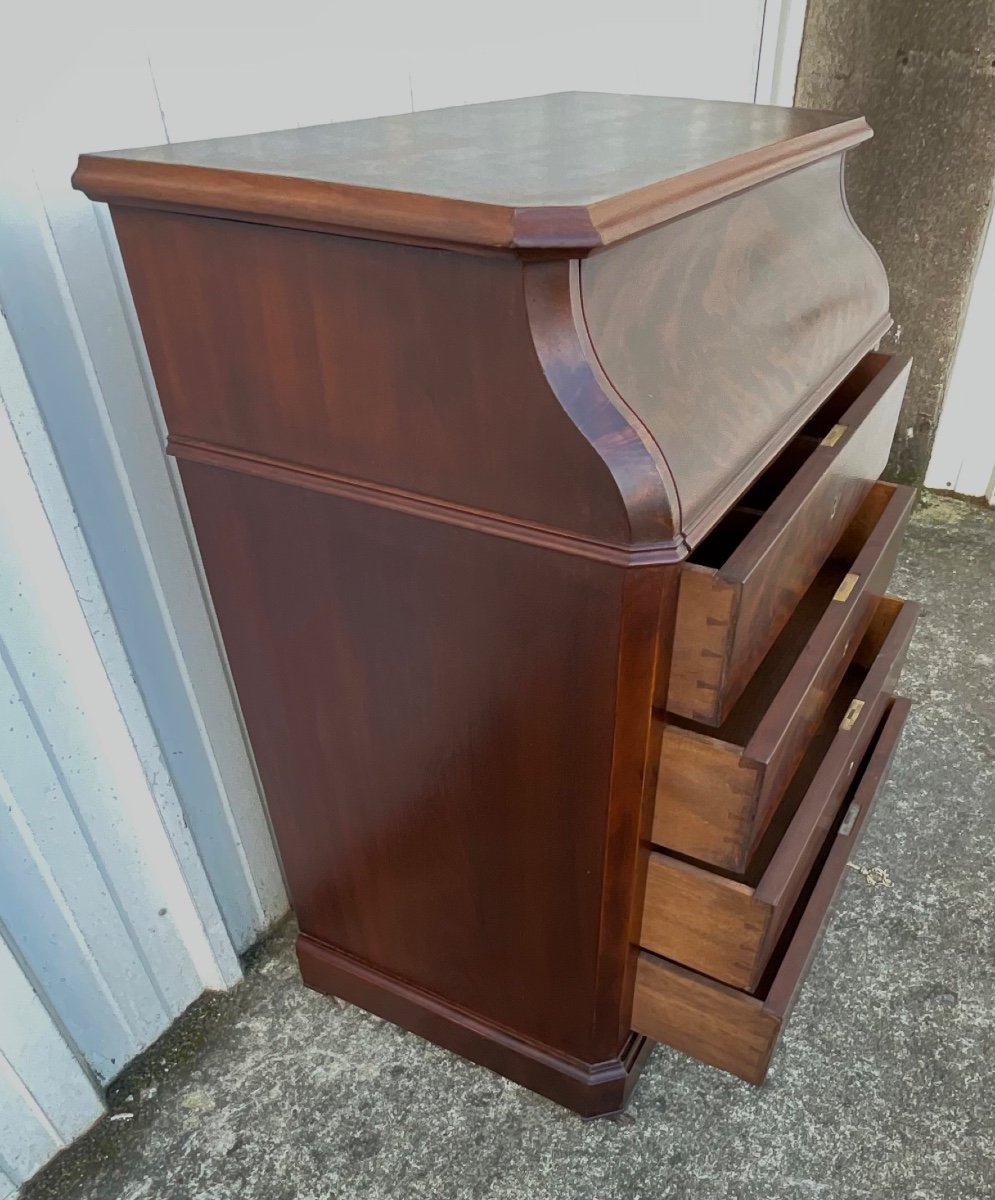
882,1087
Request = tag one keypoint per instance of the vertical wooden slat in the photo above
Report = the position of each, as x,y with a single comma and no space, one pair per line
57,906
69,308
7,1185
50,650
108,926
46,1098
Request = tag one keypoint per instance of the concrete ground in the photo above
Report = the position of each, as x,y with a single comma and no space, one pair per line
883,1087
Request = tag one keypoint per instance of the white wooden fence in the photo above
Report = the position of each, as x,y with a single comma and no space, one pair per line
109,925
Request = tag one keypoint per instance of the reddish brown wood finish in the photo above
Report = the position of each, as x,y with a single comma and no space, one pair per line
725,331
718,789
563,173
727,927
448,820
591,1089
439,783
735,1030
741,585
394,348
443,461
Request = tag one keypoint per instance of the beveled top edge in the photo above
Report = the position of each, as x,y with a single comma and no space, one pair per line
527,175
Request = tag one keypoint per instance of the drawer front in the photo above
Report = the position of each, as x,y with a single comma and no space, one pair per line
729,928
741,585
736,1030
717,791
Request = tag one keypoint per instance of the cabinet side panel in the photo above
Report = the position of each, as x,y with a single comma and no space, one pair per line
723,330
401,366
432,712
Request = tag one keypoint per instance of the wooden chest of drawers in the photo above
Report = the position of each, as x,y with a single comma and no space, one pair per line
532,449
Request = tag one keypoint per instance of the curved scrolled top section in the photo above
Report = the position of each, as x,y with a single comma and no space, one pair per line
633,460
723,331
580,320
406,377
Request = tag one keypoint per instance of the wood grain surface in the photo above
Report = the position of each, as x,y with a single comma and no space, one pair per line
726,330
727,927
454,394
567,172
451,730
742,583
718,789
732,1029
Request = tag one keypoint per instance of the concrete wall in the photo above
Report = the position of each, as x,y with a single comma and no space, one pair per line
924,75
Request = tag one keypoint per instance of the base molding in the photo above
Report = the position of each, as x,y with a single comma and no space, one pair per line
591,1089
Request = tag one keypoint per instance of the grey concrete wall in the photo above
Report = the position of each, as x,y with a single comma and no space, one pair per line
923,73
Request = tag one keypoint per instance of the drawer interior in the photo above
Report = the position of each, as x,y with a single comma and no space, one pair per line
737,1030
869,650
725,921
719,546
760,692
887,731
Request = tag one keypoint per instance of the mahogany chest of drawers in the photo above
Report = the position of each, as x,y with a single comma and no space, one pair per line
532,449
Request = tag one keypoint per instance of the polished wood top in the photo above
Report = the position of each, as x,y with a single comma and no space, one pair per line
571,170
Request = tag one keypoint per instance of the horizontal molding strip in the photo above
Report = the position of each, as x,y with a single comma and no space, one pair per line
410,503
314,950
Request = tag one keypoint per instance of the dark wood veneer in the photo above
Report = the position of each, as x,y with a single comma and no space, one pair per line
742,584
564,173
727,926
718,788
368,362
592,1089
736,1030
390,857
725,330
454,396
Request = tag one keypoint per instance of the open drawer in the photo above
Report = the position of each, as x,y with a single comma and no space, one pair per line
728,926
717,789
735,1030
741,584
